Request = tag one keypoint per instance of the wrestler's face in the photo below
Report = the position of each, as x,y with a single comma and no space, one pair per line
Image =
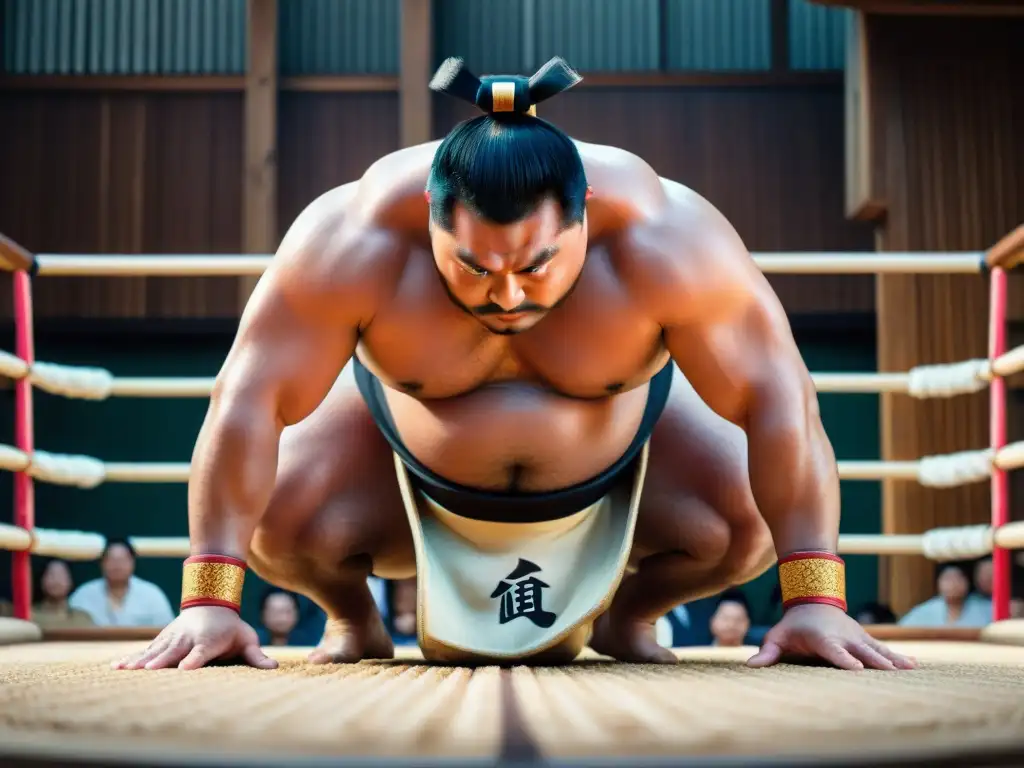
730,624
509,276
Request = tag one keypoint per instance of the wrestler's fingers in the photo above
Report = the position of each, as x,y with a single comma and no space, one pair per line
171,655
255,657
870,657
769,654
137,660
199,655
830,650
901,661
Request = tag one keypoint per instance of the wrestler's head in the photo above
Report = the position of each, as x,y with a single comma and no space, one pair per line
507,195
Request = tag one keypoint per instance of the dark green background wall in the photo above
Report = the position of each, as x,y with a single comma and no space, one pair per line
165,430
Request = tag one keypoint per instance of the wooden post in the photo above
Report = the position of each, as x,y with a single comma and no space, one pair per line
259,188
414,101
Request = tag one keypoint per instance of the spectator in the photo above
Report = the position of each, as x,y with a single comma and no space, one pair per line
402,610
983,577
52,589
731,620
120,598
875,613
279,616
983,585
955,605
674,629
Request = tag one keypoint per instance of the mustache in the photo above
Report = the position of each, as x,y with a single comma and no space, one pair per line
494,309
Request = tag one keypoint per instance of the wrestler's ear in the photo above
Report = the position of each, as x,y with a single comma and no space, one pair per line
426,196
590,192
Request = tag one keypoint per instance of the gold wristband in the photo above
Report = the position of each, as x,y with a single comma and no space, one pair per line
812,577
212,580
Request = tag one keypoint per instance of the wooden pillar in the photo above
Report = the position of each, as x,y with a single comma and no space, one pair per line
259,188
414,107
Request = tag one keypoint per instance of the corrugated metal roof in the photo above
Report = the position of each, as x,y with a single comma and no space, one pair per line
595,35
335,37
488,34
817,35
138,37
717,35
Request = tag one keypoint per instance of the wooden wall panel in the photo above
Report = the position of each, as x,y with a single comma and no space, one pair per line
123,173
770,159
329,139
162,172
948,112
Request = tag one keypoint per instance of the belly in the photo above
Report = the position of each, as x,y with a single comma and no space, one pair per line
513,436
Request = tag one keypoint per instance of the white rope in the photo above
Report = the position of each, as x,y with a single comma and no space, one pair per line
925,381
81,545
947,380
55,468
86,472
954,469
82,382
965,543
940,544
806,263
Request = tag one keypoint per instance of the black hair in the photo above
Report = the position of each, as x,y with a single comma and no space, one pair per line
966,570
119,542
734,595
505,163
880,613
40,566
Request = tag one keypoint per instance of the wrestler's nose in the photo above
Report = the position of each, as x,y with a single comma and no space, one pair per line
507,292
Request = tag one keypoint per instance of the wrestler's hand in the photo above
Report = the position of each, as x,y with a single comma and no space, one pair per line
198,636
826,632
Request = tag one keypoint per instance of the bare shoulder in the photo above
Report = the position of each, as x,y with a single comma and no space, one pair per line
338,251
622,182
688,260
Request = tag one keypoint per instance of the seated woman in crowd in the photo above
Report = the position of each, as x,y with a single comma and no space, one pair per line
51,609
955,605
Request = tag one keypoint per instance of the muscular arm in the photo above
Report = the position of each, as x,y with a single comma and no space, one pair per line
298,330
727,331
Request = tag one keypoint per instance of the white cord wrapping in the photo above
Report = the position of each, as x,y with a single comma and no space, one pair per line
962,543
76,381
947,380
73,381
954,469
56,468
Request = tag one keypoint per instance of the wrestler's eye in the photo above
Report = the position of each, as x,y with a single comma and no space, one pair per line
477,271
531,270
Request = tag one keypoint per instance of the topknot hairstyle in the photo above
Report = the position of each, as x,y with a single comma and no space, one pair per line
503,164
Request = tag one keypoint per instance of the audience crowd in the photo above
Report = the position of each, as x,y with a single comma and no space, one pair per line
119,598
